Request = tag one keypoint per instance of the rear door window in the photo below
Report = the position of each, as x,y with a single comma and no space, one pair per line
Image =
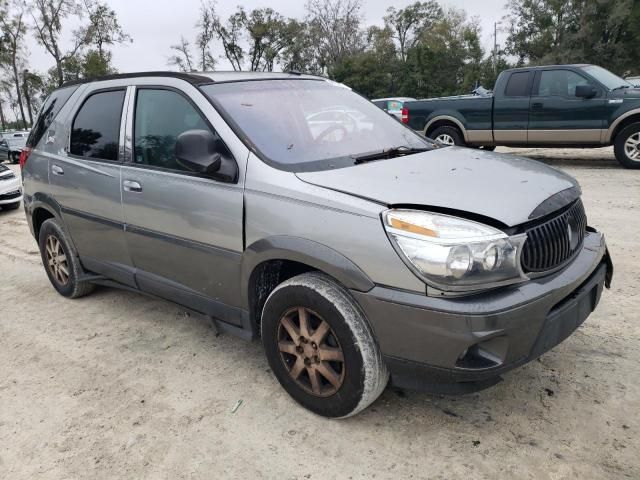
96,128
518,84
50,109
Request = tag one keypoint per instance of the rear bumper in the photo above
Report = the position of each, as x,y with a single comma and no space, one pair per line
456,345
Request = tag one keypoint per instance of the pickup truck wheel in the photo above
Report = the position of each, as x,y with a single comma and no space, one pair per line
320,346
627,146
448,135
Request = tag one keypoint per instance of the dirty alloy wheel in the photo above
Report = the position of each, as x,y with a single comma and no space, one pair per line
61,262
627,146
311,352
56,260
320,346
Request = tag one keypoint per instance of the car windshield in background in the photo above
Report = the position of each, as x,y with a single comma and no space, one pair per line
304,125
605,77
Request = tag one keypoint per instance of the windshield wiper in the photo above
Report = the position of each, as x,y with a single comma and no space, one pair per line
621,87
389,153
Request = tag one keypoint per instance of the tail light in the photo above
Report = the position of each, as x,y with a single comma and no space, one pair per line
404,116
24,156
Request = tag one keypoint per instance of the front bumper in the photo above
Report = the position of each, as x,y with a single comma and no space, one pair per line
461,344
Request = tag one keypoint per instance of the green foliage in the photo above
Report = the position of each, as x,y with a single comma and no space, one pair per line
602,32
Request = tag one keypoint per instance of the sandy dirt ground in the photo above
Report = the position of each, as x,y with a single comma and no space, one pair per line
117,385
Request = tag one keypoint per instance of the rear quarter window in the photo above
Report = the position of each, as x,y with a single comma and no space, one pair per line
48,112
518,84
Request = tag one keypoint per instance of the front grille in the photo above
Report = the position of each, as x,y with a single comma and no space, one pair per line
553,242
10,195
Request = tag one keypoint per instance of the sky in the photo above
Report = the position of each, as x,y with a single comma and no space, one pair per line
155,25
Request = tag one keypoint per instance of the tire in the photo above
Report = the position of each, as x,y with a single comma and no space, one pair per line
623,146
52,232
359,378
15,158
10,206
448,134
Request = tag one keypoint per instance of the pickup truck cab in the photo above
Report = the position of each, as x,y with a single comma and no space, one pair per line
550,106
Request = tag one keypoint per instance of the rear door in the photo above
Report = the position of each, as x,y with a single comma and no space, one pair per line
85,181
184,229
511,108
558,116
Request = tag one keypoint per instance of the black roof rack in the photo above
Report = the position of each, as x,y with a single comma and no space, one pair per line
192,78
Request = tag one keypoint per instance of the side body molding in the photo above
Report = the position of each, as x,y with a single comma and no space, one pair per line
314,254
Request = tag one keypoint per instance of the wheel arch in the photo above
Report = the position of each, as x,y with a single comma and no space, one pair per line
623,121
270,261
442,121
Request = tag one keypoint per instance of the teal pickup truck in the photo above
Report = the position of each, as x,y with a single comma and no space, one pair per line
551,106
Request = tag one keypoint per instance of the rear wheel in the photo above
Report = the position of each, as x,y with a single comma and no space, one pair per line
627,146
448,135
320,346
61,262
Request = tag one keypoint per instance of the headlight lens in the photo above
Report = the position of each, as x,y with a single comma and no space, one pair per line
454,254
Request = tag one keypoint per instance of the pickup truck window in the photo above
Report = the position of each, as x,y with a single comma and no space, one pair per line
561,83
517,85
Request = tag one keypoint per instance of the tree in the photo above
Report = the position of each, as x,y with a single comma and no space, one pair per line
13,32
407,24
604,32
48,17
230,33
335,28
269,33
104,28
182,59
206,35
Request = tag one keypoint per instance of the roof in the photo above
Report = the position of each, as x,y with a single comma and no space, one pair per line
536,67
200,78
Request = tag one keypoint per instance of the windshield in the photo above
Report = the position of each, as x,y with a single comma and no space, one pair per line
303,125
605,77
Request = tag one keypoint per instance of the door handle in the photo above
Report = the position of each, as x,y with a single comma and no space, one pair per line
537,105
131,186
57,170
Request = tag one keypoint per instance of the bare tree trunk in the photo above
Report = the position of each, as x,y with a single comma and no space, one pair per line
27,97
16,79
3,122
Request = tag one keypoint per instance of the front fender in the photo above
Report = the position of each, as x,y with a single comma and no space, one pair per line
308,252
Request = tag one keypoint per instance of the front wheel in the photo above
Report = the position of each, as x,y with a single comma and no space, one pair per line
627,146
320,346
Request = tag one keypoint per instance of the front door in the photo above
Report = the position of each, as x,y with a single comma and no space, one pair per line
183,229
558,116
85,181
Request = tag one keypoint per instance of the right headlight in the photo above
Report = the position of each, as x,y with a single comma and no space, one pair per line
455,254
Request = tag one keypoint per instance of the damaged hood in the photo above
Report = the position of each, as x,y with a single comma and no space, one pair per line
506,188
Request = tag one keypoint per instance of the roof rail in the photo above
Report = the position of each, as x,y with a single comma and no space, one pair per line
192,78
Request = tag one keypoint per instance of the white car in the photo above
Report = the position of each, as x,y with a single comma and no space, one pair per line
10,189
635,81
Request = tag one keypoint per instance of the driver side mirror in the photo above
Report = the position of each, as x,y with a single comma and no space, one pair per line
586,91
197,150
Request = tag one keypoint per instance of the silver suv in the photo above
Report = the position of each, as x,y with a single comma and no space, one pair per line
359,251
